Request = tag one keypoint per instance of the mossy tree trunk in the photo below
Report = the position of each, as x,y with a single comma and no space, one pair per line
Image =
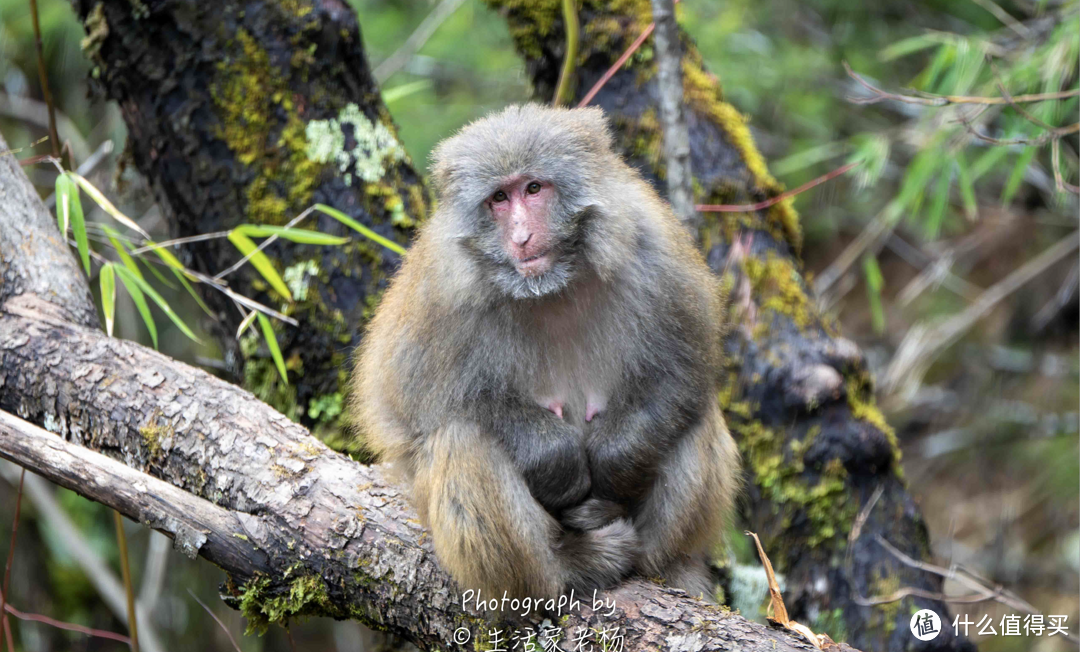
798,397
251,112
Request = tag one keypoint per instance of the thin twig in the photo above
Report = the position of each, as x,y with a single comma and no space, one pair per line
177,241
265,243
1023,30
43,74
747,208
125,573
59,624
416,40
564,91
984,593
923,343
617,65
216,620
942,100
7,567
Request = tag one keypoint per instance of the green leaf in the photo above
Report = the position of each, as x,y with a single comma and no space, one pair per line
967,187
874,283
908,46
192,292
77,221
161,303
1017,175
396,93
360,228
246,323
121,250
107,205
299,236
987,161
271,341
261,263
940,203
137,296
107,279
65,189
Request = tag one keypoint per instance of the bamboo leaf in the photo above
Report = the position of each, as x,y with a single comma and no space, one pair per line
271,341
107,205
1017,175
261,263
967,187
140,301
107,280
121,251
192,292
299,236
78,227
64,191
940,203
396,93
874,283
246,323
360,228
161,303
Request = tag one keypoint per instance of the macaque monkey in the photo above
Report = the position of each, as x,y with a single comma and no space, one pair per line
542,369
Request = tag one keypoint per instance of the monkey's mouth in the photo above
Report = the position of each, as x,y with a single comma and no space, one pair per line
535,265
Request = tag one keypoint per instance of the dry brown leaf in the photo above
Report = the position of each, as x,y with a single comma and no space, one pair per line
777,612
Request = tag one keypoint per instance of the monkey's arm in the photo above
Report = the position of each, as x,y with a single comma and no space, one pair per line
490,532
640,426
548,452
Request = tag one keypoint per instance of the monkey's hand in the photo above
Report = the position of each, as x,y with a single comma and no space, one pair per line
599,559
549,454
593,514
639,428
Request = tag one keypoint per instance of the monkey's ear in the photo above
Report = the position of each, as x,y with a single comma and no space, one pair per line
594,123
442,171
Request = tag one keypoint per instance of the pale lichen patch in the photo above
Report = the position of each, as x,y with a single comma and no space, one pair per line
374,145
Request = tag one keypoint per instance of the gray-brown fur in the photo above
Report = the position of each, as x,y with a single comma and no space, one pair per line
464,353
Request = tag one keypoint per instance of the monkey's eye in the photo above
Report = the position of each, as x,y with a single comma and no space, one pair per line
532,188
498,196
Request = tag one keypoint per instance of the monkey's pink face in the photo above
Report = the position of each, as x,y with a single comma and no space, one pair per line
521,208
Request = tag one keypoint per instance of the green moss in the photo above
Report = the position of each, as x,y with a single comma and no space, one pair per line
884,615
530,21
153,434
860,399
307,595
376,145
780,475
261,125
97,30
777,286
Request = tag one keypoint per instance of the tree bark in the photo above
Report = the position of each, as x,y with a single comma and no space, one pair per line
301,529
798,396
248,111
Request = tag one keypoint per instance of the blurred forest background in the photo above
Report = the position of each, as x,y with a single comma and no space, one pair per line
933,217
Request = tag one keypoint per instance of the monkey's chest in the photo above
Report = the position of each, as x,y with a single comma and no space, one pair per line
576,380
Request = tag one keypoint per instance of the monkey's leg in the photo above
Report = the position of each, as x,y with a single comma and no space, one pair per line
491,534
682,518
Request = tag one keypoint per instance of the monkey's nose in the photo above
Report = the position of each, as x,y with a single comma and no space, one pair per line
522,237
